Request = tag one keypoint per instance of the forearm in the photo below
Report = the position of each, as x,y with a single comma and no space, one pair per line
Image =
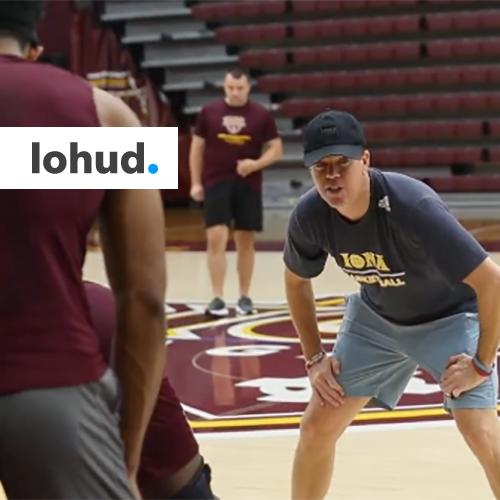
300,299
489,319
133,241
139,366
270,155
196,165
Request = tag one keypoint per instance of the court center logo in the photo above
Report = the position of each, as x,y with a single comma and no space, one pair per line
89,158
244,373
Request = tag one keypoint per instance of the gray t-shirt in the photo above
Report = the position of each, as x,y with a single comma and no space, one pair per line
408,252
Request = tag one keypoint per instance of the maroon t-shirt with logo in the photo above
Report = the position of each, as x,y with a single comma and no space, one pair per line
231,134
46,335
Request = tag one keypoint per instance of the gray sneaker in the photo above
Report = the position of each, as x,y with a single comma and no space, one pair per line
244,306
217,307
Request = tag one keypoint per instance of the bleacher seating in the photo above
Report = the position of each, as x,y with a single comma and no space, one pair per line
360,80
421,74
398,105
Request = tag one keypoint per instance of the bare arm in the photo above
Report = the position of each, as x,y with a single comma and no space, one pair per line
272,151
132,229
485,280
112,111
462,372
196,166
300,297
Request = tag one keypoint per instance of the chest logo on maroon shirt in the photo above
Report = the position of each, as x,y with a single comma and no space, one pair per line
233,124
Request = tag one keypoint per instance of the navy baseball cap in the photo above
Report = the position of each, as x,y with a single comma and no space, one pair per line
21,18
333,133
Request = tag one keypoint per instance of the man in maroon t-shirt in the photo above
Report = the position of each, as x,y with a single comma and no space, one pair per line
60,416
234,139
171,465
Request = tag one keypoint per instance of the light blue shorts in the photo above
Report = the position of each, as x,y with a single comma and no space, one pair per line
378,358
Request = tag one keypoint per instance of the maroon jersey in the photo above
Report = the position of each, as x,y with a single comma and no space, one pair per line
169,443
46,335
231,134
40,95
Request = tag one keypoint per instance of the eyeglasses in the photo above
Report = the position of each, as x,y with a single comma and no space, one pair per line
343,163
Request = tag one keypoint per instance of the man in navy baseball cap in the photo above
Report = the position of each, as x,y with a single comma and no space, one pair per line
393,235
333,133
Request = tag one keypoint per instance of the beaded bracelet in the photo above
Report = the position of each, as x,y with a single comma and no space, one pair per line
481,368
314,359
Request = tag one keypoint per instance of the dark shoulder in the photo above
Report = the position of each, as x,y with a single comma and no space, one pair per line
405,194
310,210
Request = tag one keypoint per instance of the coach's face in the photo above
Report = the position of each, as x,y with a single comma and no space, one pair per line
344,183
236,90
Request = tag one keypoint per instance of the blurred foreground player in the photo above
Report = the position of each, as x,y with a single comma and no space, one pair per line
60,418
171,466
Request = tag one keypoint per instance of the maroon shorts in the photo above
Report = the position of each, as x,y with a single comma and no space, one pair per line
169,443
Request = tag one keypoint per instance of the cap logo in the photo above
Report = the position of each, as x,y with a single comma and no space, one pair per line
329,131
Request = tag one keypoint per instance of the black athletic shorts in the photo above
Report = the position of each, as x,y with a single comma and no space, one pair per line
233,203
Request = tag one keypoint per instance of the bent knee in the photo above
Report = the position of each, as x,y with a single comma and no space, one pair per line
482,437
318,427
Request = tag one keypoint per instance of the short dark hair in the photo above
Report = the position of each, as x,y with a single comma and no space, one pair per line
238,73
19,20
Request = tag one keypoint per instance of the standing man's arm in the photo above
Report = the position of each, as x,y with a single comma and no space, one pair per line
463,372
196,166
132,229
272,152
300,297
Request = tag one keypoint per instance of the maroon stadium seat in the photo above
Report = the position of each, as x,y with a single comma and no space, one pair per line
490,19
306,56
474,75
305,30
439,156
494,154
495,127
354,53
474,102
440,130
439,22
450,75
490,46
386,158
416,130
330,54
468,129
319,81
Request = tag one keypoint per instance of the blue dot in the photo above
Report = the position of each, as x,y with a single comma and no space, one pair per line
153,168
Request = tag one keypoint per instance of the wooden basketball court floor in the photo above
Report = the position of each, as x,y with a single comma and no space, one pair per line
381,461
